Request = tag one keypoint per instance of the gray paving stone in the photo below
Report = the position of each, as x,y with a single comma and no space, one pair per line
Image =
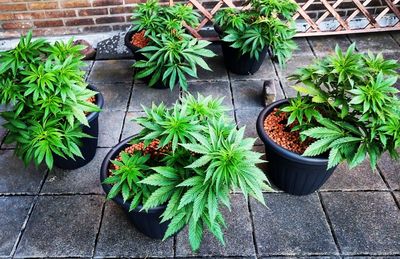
215,89
303,47
113,48
13,211
131,127
302,257
272,91
372,257
390,170
323,46
248,118
238,235
267,71
248,94
396,36
291,225
3,131
7,146
118,237
116,96
15,177
365,223
87,67
62,226
142,94
217,66
359,178
111,71
375,42
82,180
110,127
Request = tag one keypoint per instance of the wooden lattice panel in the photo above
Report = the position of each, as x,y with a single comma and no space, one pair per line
339,24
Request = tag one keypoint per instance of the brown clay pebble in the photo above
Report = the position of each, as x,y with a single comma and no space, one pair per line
276,128
139,40
91,100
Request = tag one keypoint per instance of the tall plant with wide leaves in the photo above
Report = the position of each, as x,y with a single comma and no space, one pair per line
208,158
45,88
350,107
266,23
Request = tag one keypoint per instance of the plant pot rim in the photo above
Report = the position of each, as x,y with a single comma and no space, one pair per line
99,102
277,148
128,38
104,174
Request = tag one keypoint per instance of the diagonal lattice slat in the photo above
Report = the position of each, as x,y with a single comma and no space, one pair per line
330,22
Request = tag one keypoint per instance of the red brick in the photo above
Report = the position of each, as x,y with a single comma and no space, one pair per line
75,3
77,22
121,9
94,29
13,7
56,31
121,27
110,19
49,23
58,14
132,1
6,16
43,5
16,25
30,15
90,12
107,2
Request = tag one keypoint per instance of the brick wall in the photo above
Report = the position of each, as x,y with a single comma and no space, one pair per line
61,17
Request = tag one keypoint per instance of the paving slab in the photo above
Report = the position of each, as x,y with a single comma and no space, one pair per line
359,178
82,180
16,178
238,234
267,71
110,127
325,45
396,36
3,131
248,94
131,127
303,47
142,94
88,65
119,238
397,196
375,42
113,48
116,96
364,223
62,226
215,89
13,211
272,91
390,170
291,225
217,66
111,71
248,118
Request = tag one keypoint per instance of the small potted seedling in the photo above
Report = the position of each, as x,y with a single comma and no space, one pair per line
249,31
348,111
54,115
181,168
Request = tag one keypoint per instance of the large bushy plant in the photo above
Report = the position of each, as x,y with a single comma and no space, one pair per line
171,54
207,157
350,107
46,89
260,24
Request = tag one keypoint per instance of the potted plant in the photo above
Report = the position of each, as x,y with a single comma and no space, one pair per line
165,53
181,167
348,111
54,118
248,32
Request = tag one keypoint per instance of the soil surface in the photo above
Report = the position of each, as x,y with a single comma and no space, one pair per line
275,125
139,40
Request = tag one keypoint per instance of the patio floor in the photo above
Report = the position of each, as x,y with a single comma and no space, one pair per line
65,214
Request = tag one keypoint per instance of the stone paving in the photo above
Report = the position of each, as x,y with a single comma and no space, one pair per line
65,214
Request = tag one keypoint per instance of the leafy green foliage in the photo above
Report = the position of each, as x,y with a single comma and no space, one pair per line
171,54
46,88
350,107
170,59
267,23
208,158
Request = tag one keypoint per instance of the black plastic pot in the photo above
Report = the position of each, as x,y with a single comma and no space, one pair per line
238,63
146,222
128,37
88,145
291,172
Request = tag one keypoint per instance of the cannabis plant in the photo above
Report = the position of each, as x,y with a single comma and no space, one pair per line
207,158
266,23
349,107
46,88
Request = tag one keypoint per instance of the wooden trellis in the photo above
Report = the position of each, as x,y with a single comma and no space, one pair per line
315,27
